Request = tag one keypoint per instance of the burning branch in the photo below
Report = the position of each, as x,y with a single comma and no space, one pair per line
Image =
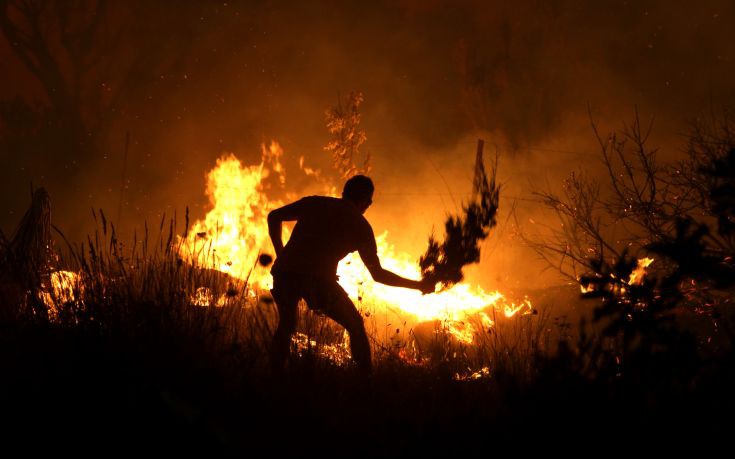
443,263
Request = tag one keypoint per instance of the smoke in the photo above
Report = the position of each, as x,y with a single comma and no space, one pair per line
435,76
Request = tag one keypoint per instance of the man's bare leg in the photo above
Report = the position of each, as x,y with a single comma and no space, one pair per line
344,313
287,316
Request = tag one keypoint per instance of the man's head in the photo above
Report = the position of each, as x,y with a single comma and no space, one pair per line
359,190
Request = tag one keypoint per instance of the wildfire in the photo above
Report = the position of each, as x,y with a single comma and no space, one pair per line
59,291
234,233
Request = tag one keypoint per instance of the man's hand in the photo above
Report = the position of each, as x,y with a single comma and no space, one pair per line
426,286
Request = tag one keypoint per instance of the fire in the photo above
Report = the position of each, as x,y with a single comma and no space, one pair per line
471,375
204,297
234,233
337,353
636,277
59,291
453,307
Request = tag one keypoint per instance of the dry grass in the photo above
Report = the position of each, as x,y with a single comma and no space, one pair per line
133,360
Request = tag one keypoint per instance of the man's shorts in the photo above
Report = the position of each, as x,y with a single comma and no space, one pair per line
322,295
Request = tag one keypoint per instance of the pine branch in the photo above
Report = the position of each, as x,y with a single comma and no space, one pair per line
443,262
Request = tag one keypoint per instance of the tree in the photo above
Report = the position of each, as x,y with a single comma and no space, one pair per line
343,123
88,57
681,215
650,205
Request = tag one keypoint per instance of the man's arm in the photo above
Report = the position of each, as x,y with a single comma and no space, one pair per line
276,217
382,275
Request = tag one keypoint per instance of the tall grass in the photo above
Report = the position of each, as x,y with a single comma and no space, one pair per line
133,359
145,287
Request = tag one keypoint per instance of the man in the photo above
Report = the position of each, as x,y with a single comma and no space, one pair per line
326,230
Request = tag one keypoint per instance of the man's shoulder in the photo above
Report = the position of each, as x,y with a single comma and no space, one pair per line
338,208
324,205
363,229
322,199
314,201
364,222
329,202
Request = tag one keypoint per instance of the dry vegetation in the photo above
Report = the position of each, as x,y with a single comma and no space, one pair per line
125,352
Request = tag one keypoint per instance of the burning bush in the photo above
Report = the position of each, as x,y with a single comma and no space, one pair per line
443,262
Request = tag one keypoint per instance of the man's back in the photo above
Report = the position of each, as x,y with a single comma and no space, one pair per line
327,230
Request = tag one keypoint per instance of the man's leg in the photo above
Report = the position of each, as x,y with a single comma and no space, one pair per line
287,304
338,307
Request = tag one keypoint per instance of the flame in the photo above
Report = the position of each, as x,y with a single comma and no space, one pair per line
204,297
471,375
337,353
59,291
587,288
454,304
234,233
636,277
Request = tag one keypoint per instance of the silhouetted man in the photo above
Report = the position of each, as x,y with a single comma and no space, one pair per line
326,230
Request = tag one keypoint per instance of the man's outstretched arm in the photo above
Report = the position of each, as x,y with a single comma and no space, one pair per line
386,277
287,213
